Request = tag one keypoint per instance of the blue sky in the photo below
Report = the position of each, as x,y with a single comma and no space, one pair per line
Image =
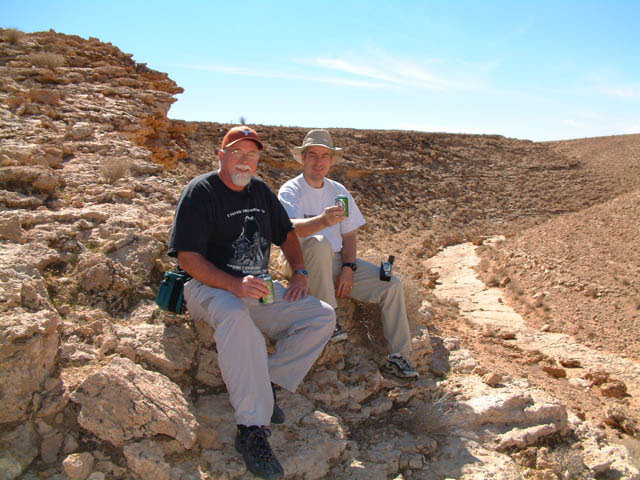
538,70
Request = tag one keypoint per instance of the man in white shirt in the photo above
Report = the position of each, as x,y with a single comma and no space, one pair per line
328,237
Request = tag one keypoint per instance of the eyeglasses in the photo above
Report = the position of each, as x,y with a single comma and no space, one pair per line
238,154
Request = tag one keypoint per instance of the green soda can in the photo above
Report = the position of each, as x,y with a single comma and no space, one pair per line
272,293
343,201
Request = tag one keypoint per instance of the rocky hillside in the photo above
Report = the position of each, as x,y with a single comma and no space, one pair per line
96,383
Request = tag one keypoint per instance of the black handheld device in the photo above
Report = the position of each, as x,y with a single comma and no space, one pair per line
385,269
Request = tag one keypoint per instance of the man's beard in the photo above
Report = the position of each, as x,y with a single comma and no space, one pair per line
240,179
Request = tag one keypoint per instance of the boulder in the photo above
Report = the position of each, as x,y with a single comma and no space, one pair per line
168,348
146,459
208,369
18,448
11,229
28,349
122,401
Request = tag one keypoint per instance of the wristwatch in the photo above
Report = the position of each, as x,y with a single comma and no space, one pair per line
302,272
351,265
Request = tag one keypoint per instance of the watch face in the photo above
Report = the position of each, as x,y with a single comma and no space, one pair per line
302,272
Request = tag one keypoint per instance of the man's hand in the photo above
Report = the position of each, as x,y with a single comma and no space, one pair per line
298,288
344,283
252,287
333,215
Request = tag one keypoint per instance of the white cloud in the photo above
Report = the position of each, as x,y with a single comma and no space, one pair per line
406,73
574,123
373,69
626,92
245,72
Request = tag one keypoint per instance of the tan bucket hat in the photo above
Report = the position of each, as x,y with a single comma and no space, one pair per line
317,138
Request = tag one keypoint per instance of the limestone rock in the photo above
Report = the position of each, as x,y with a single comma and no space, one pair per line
613,388
169,349
78,465
316,443
50,446
208,368
492,379
146,459
462,361
570,363
97,272
123,402
217,422
337,388
77,352
11,229
619,418
42,95
522,438
555,372
29,178
508,409
28,348
18,448
421,349
81,130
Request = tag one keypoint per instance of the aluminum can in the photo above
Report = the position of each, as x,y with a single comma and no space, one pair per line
343,201
272,293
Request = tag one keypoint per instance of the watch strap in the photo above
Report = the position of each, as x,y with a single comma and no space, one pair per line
302,272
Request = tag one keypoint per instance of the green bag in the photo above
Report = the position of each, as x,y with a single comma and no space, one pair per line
171,293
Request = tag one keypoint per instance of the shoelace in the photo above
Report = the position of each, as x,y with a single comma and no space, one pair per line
257,439
404,364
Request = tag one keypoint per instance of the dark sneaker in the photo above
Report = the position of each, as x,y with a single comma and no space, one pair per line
278,415
252,443
397,365
339,334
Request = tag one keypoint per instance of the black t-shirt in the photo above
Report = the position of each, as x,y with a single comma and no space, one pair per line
233,230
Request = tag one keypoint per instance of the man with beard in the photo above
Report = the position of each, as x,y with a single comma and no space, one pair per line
223,228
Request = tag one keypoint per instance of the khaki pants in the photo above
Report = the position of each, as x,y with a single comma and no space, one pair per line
301,329
324,266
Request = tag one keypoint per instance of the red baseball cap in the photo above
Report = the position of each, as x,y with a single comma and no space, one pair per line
240,133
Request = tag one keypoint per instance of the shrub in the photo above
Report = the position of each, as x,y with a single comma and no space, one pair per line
113,169
515,288
13,35
484,265
46,59
428,418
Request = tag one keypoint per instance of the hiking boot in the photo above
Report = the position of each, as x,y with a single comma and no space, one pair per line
252,443
278,415
339,334
397,365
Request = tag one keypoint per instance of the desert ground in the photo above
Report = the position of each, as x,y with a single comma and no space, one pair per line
520,262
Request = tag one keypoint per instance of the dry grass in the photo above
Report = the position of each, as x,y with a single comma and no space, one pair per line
484,265
430,417
113,169
46,60
516,289
13,35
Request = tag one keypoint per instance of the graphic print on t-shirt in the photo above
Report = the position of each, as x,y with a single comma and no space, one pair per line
251,249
